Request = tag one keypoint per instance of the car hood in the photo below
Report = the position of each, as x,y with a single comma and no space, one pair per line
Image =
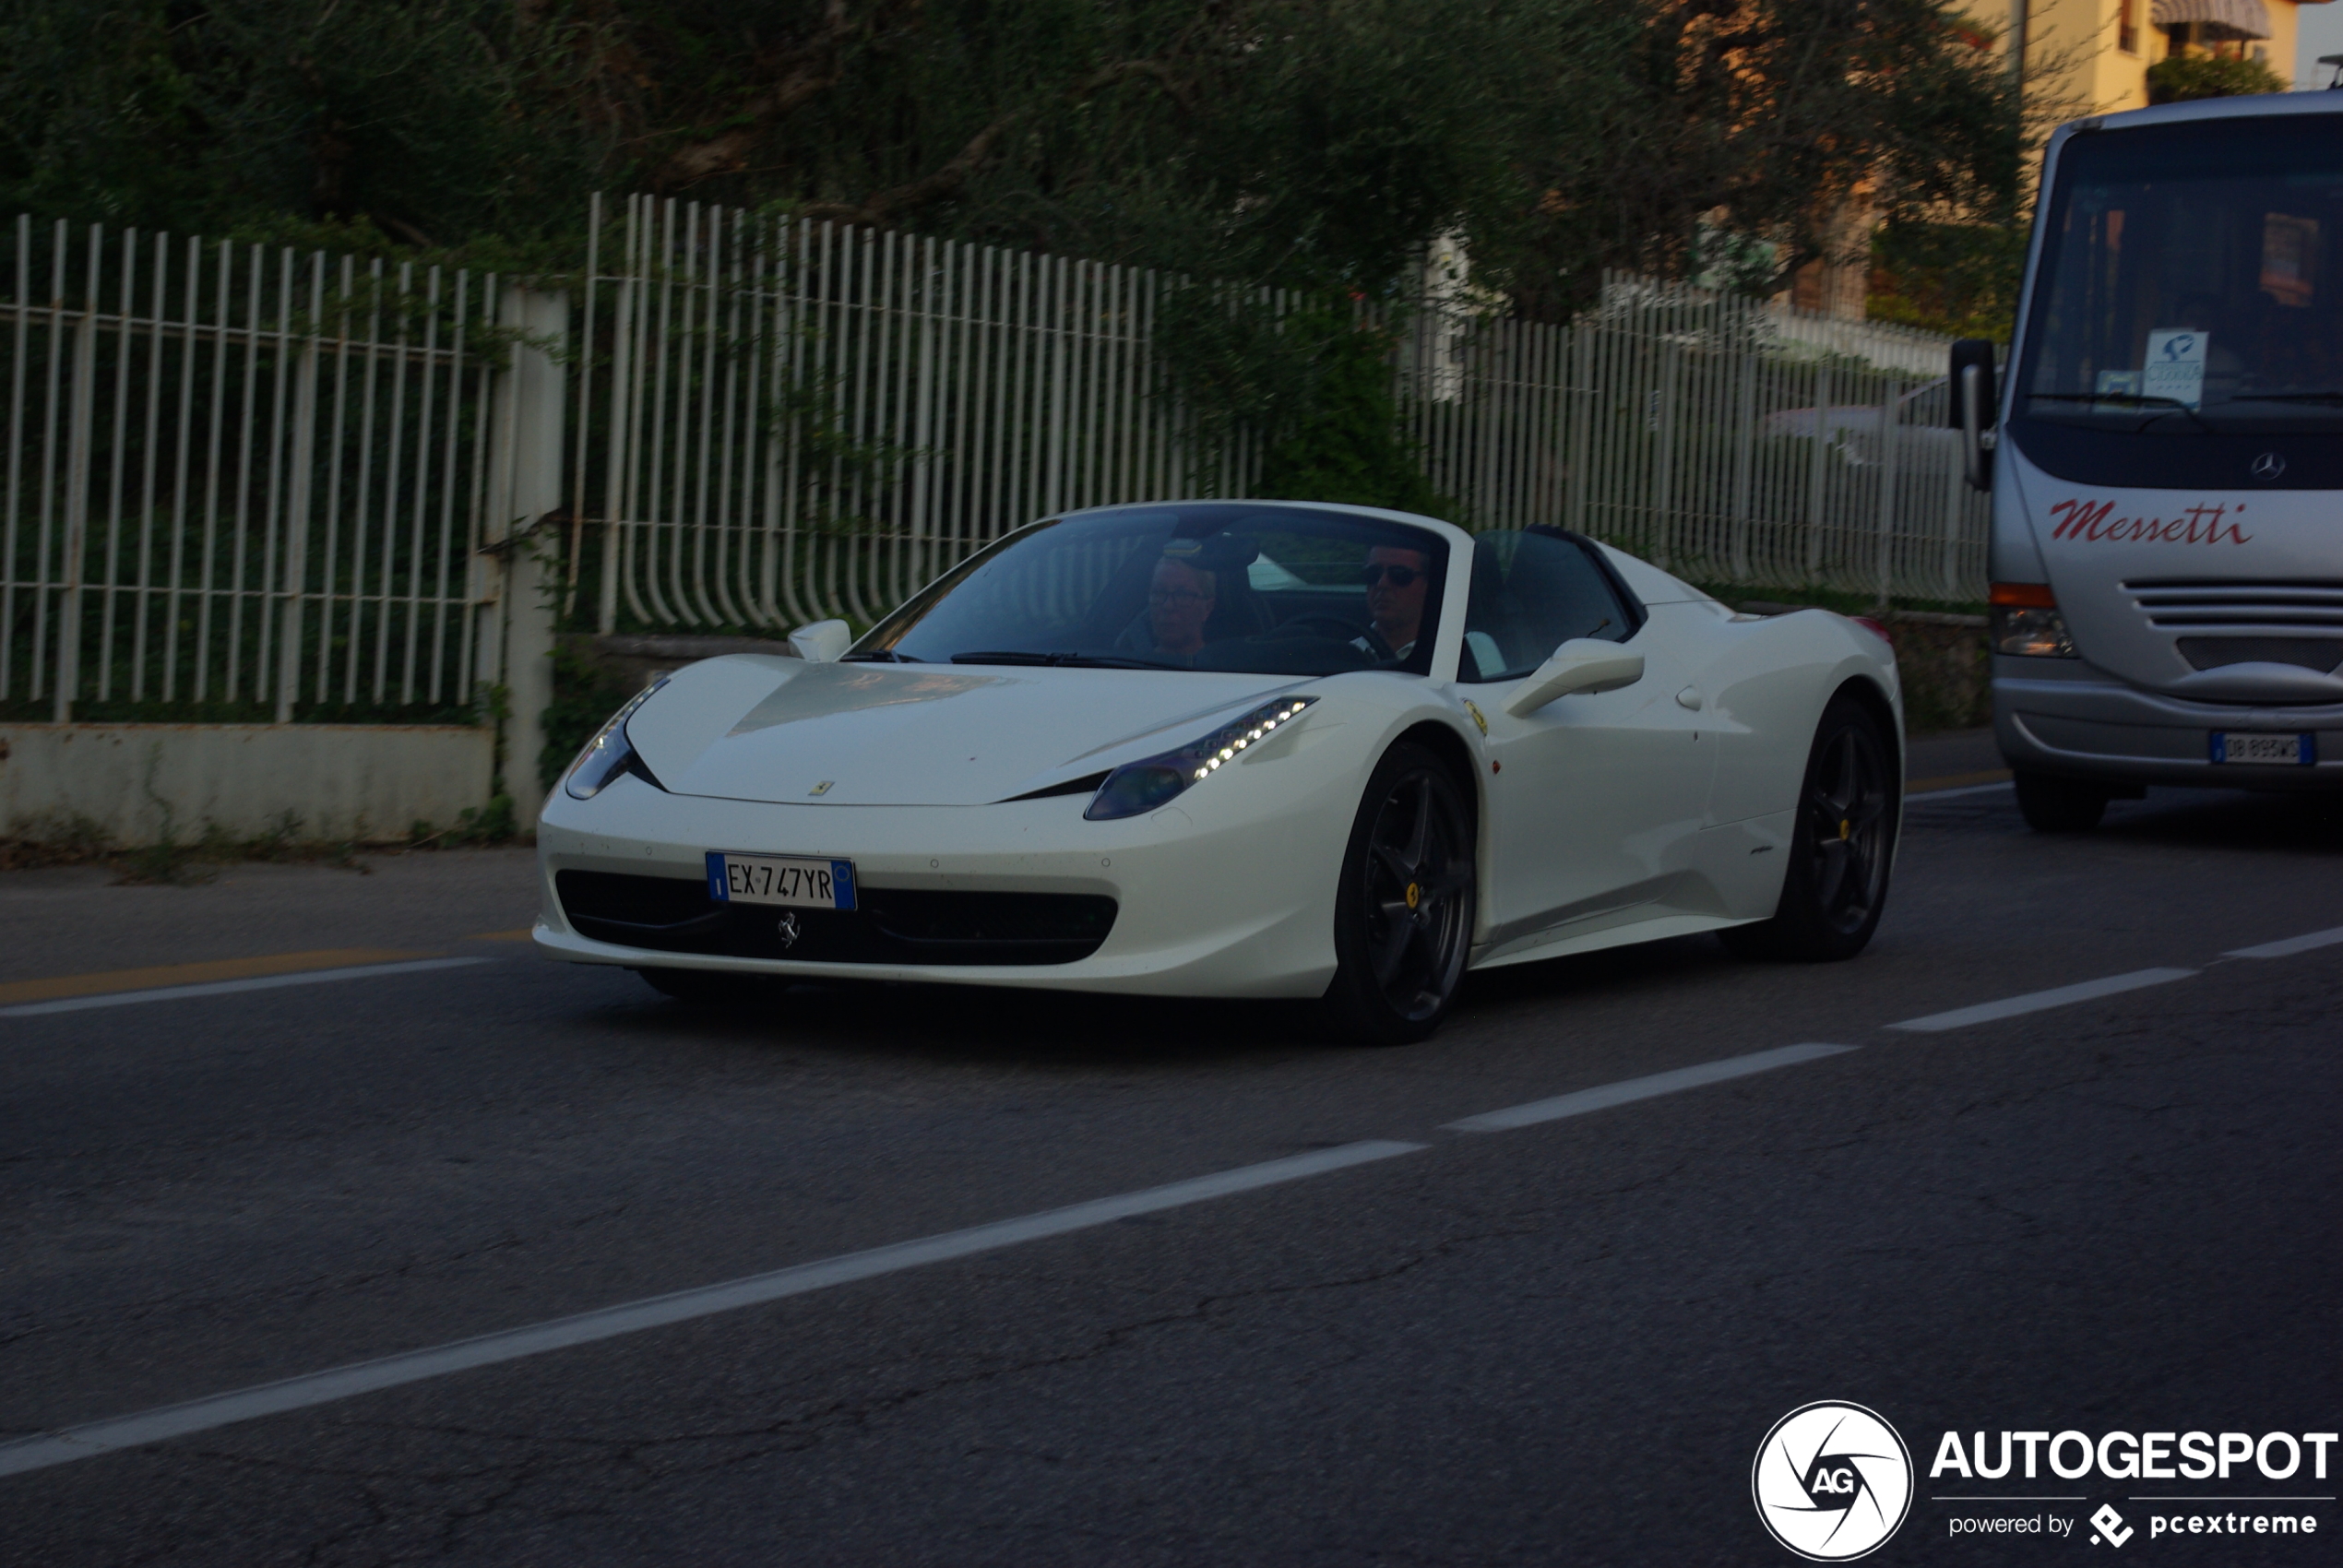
758,728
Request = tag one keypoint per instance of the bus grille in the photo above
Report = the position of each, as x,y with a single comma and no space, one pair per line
2232,622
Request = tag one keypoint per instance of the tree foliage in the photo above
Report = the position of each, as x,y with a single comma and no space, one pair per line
1312,146
2179,78
1308,143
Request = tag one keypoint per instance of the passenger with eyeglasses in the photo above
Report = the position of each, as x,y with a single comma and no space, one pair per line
1179,600
1396,581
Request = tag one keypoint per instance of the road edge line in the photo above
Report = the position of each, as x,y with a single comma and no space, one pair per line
87,1441
2040,1001
224,987
1628,1090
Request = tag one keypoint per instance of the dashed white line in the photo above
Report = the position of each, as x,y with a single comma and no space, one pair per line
1632,1089
2288,947
2038,1001
224,987
87,1441
44,1450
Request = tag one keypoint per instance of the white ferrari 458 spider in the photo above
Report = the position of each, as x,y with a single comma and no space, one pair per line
1242,749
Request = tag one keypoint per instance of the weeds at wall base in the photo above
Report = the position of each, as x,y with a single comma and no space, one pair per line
71,838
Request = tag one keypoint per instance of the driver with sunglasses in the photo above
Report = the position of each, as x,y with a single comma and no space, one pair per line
1397,584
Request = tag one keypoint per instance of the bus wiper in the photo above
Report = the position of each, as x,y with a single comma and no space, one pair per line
2130,400
2331,396
1072,661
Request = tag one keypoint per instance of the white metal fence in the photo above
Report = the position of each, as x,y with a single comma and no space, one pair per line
244,482
785,421
1729,440
782,422
238,479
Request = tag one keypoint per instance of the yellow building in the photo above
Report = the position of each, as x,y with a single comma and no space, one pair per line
2080,57
2091,56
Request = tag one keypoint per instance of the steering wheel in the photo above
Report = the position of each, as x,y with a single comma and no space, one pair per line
1319,625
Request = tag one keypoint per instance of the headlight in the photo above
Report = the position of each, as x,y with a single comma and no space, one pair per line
608,754
2026,621
2031,634
1142,786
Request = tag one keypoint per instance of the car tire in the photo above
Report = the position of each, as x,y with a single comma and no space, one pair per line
2051,804
1841,847
701,988
1404,908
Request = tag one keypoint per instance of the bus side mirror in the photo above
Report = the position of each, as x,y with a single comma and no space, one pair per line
1972,409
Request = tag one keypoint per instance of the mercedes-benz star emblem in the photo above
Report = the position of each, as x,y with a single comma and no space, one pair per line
789,929
2269,465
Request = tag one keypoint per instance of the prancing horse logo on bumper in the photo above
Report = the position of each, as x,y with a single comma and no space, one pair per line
789,929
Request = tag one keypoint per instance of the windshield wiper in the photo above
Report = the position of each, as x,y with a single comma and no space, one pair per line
879,656
2335,397
1073,660
2133,399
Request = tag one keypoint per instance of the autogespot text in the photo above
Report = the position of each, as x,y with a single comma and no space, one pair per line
2122,1455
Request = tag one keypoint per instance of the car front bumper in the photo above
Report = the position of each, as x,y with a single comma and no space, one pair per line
1211,900
2081,724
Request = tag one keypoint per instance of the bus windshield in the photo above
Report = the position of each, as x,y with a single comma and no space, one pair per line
2192,281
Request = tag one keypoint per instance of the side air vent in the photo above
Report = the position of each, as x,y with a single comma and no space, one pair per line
1086,785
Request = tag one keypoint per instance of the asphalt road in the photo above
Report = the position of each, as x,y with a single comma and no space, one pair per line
1557,1343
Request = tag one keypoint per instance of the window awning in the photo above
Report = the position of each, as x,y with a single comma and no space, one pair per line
2247,18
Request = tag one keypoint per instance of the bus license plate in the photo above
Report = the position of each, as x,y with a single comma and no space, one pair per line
2284,751
775,879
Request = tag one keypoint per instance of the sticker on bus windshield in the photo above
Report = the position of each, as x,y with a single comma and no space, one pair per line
2176,366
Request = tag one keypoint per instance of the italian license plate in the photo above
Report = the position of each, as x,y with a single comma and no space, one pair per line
2282,751
776,879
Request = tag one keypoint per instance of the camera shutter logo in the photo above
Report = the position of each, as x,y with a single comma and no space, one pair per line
1832,1481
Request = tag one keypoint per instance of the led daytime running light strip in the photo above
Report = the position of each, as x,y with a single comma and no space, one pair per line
1225,746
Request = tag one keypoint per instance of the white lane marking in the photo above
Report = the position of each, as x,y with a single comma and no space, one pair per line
1631,1090
45,1449
1964,790
222,988
2035,1000
2288,947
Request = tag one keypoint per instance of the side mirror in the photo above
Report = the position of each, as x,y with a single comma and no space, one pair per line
1582,664
1972,409
821,642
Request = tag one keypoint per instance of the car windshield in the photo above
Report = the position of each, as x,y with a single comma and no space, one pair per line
2191,282
1229,586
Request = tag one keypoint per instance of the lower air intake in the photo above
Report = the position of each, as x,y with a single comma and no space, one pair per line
667,914
2311,653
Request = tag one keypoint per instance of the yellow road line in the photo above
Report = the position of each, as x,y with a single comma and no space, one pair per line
106,981
523,934
1954,780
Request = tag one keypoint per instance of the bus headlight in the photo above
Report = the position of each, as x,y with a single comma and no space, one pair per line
2026,623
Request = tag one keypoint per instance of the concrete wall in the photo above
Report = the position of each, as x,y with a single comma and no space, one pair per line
341,781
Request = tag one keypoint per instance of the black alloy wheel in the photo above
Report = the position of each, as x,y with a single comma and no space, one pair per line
1404,909
1843,841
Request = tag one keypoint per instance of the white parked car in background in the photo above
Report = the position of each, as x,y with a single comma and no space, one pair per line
1242,749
